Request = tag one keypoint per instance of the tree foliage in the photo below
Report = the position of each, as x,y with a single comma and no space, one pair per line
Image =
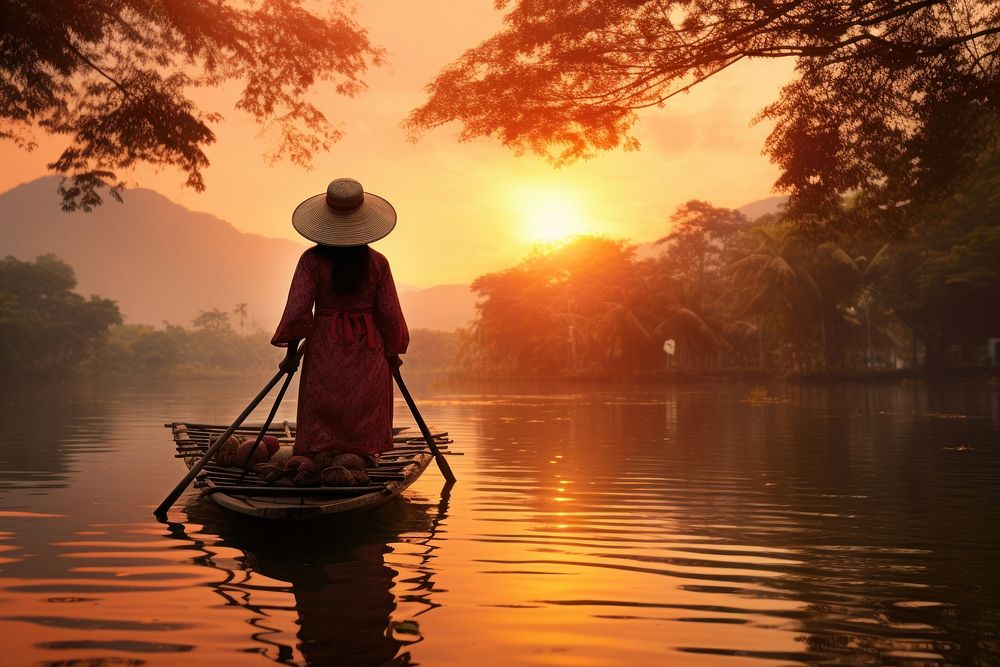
562,308
758,294
699,242
892,98
116,77
212,320
48,329
45,327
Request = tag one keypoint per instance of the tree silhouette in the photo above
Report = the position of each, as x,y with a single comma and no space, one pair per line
697,243
116,76
777,275
45,326
214,320
241,312
565,307
895,98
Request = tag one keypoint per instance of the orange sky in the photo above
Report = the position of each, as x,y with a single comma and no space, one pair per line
466,209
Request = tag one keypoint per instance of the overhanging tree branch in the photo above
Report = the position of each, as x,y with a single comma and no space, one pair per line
55,65
565,78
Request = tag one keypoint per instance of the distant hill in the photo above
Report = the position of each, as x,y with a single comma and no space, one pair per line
157,259
444,307
163,262
752,211
402,288
756,209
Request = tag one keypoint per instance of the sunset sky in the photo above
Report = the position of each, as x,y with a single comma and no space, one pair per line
466,209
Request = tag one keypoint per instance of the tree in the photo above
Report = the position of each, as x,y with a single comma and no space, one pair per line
697,243
895,98
240,311
558,310
116,76
156,351
697,334
777,281
850,286
45,326
431,351
212,320
625,336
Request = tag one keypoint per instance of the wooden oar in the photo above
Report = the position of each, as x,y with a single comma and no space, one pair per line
161,510
438,456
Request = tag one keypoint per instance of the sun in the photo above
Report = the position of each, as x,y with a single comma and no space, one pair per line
549,215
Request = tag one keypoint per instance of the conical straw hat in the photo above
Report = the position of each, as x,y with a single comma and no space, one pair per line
345,215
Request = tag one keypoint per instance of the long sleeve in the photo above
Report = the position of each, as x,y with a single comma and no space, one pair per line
389,317
297,320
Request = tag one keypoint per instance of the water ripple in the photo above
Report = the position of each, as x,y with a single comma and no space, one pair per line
621,526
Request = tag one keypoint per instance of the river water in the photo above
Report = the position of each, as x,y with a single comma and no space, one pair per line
591,525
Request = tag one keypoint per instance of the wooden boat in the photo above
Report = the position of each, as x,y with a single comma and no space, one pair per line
247,493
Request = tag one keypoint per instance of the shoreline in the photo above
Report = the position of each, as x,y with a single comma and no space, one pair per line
736,375
665,378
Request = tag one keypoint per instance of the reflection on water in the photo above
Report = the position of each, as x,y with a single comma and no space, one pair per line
326,593
598,526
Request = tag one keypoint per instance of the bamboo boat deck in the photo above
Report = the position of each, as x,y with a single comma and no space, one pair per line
247,493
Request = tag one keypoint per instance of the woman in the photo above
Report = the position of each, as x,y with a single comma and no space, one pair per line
356,332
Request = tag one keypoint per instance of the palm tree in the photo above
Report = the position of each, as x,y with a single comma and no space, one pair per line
241,311
702,328
865,273
778,273
625,329
620,327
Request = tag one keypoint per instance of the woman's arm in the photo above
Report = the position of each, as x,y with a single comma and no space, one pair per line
390,321
297,320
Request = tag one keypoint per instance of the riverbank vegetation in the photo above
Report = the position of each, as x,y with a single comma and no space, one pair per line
46,327
843,296
839,296
48,330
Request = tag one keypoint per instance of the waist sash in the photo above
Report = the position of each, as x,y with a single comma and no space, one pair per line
351,325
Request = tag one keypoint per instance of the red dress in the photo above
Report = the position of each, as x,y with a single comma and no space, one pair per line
345,391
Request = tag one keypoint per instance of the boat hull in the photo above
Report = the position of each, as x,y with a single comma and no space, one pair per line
299,508
246,493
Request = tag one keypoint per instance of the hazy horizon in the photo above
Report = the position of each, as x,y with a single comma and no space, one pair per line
405,283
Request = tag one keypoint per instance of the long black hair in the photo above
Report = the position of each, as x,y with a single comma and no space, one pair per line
350,267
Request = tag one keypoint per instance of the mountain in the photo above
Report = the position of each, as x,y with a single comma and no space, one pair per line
163,262
444,307
761,207
157,259
752,211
